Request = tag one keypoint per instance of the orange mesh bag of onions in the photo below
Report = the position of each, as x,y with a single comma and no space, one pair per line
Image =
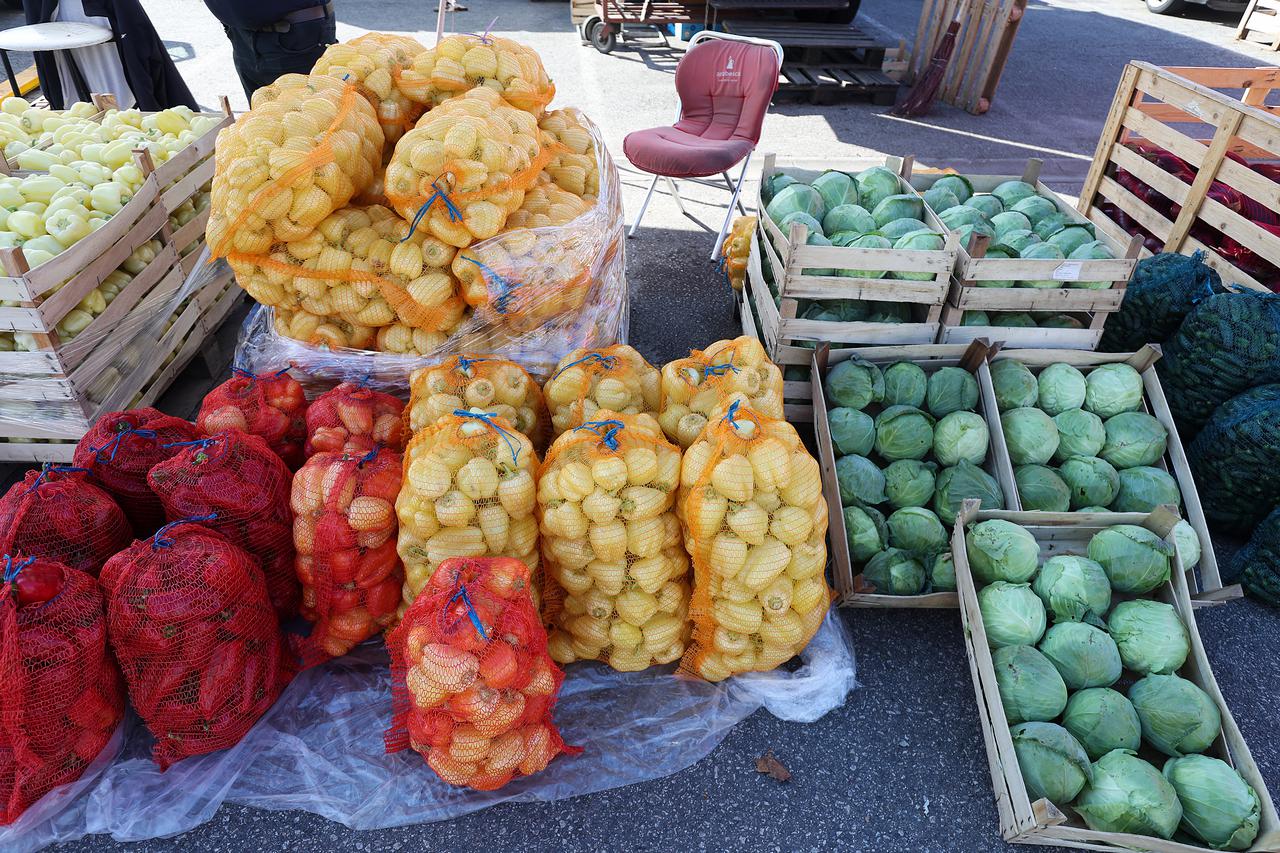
486,382
700,388
616,378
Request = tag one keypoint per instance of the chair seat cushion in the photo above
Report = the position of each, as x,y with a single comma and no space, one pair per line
677,154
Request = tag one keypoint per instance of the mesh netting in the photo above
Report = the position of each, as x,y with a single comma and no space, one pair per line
1163,290
61,696
574,167
469,491
303,150
755,523
1226,344
465,166
459,63
236,478
354,419
344,531
374,62
59,514
737,249
1257,565
473,687
616,378
270,406
121,448
700,388
617,573
1235,458
196,637
482,382
361,279
544,205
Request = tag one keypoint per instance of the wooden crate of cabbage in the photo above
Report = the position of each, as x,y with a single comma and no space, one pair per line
867,288
1025,257
993,477
1128,393
1071,783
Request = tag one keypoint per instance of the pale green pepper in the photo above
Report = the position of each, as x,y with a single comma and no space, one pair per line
129,175
92,173
64,173
67,227
9,195
25,224
36,160
43,243
40,187
9,240
108,198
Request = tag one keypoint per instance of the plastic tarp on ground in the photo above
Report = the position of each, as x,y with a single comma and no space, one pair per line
319,749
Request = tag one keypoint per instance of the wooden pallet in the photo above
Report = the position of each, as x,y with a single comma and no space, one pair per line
982,47
1181,111
1041,822
972,266
1261,23
1209,587
827,84
851,590
824,62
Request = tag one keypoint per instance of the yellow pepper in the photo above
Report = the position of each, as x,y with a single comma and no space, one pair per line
108,198
67,227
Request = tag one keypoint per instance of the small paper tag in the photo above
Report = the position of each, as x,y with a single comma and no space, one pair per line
1068,271
1195,109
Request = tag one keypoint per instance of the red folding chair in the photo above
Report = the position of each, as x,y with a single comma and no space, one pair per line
724,83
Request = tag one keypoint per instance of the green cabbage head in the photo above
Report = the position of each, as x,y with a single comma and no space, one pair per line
1111,389
1084,655
1150,636
1135,559
894,572
1073,588
909,482
1102,719
1129,795
1053,763
1031,435
1062,387
1000,550
1011,614
1178,718
1030,687
961,435
1218,806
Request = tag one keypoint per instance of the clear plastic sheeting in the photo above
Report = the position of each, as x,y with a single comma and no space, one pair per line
320,749
546,291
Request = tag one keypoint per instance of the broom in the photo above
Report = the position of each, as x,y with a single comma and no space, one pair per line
922,95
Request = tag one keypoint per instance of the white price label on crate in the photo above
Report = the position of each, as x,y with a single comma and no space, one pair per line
1069,271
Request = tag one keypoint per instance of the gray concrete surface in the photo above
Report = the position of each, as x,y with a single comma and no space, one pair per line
901,766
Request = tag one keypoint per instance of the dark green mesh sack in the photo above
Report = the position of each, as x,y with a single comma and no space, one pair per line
1235,460
1228,343
1257,565
1163,290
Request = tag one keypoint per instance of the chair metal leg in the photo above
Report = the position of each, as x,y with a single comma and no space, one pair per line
728,183
679,201
728,214
635,226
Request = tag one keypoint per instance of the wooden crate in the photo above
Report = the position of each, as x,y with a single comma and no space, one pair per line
785,256
1179,110
972,266
982,47
850,590
1260,23
1041,822
1209,586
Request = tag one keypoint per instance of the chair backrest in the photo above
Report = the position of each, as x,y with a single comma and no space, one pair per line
725,85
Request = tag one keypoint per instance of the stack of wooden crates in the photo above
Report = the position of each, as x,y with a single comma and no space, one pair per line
134,349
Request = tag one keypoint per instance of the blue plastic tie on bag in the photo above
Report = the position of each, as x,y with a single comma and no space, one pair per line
461,595
486,418
607,430
159,540
48,467
609,362
455,215
11,568
114,443
505,288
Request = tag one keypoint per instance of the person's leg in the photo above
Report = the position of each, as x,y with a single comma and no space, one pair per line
296,50
243,55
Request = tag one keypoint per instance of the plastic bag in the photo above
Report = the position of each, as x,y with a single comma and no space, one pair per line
472,684
462,61
344,532
737,250
617,572
121,448
754,517
375,61
550,290
469,491
1235,458
354,419
1163,290
321,749
272,406
482,382
59,514
196,637
700,388
237,479
616,378
61,697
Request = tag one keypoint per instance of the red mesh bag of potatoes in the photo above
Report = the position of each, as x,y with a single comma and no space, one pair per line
58,513
473,687
344,531
353,418
121,448
61,696
196,637
235,477
272,406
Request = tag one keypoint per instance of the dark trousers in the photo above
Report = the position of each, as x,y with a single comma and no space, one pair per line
263,55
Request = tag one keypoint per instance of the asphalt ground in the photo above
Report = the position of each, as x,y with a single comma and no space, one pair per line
901,766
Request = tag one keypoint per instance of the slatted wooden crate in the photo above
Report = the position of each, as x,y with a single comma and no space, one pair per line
1209,583
1261,23
1181,111
983,43
1023,820
784,258
851,590
1091,306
